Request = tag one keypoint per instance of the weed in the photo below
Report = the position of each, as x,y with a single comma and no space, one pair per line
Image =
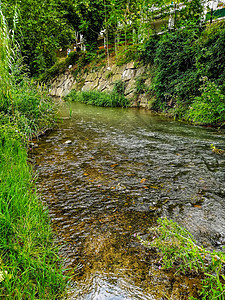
177,247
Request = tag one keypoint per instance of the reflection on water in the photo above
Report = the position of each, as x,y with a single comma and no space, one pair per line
122,170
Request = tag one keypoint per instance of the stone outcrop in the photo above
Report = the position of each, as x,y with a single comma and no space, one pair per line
62,84
104,80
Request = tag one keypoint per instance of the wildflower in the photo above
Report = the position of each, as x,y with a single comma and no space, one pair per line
135,234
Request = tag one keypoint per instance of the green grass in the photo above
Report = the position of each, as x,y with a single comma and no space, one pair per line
27,251
177,249
97,98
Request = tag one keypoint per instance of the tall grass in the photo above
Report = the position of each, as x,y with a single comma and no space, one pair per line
29,265
99,98
27,252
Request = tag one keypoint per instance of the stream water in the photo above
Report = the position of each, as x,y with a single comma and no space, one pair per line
122,170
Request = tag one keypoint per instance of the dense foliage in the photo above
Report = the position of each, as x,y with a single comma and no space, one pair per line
176,77
189,72
42,27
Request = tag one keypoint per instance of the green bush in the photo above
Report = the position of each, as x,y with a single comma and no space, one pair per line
176,77
210,55
148,51
209,107
140,86
119,87
60,67
126,54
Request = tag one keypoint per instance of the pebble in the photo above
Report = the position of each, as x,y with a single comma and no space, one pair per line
68,142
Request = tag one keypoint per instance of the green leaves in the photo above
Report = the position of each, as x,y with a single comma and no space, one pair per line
41,29
209,107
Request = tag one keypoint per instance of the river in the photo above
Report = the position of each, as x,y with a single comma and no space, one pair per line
107,174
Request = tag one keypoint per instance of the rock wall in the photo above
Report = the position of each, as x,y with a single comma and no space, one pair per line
103,80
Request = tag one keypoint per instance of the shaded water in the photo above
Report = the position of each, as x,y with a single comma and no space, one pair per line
123,169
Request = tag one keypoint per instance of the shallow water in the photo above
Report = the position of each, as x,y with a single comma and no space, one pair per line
122,170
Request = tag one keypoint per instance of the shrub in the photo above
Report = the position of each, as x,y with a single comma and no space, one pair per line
119,87
60,67
126,54
209,107
210,55
148,51
176,77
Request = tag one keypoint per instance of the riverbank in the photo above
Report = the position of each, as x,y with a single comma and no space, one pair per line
29,264
168,73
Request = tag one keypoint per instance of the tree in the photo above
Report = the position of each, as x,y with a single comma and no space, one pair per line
41,28
91,15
